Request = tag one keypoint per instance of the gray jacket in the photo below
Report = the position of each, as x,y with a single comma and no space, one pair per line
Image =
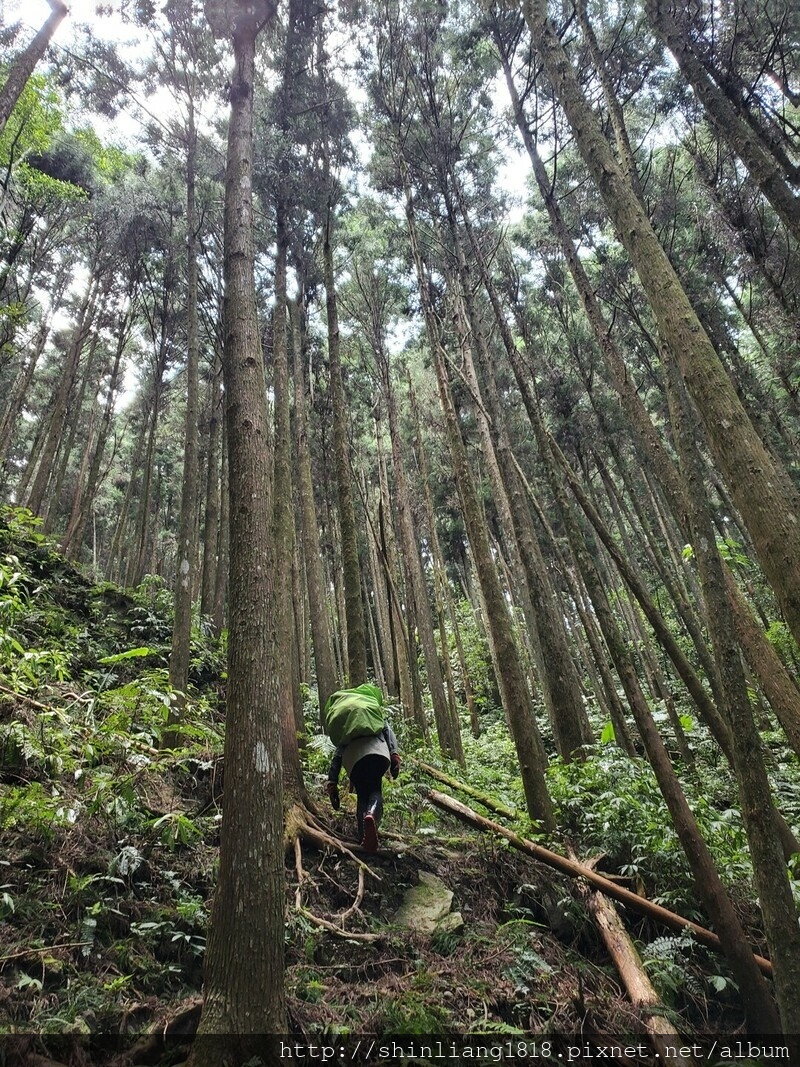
384,744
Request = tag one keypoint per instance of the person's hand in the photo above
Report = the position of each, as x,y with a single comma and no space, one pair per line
395,764
333,793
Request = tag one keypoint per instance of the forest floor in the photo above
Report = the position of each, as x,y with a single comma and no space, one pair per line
108,848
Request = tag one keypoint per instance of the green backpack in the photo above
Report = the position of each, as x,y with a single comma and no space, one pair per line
352,713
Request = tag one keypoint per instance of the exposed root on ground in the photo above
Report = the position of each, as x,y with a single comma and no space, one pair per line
302,826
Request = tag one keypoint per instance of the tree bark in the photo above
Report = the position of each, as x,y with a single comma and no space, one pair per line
511,679
764,169
640,989
777,684
84,502
351,569
286,634
244,989
211,525
186,577
558,675
447,726
759,816
444,596
60,408
324,666
758,1003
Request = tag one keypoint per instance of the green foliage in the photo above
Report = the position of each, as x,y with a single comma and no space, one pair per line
176,829
493,764
666,960
36,809
413,1013
111,162
35,120
118,657
781,639
731,552
477,658
81,766
528,968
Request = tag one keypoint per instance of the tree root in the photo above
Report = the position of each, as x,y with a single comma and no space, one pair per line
302,825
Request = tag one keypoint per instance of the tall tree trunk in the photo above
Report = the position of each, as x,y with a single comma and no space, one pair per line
447,726
186,577
777,683
248,912
17,394
51,509
60,408
401,619
763,493
444,597
223,550
213,490
760,1009
116,560
511,679
354,609
25,62
759,816
383,626
137,559
324,665
283,510
84,501
671,646
351,569
560,683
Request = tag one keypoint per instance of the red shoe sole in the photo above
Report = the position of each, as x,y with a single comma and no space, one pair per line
370,840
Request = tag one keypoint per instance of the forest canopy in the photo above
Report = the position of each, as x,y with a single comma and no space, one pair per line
447,347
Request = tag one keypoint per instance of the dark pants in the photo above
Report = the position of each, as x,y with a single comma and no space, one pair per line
366,778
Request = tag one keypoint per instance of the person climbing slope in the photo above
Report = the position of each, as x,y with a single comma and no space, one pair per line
367,747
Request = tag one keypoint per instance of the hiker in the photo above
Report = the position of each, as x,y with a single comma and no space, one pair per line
366,760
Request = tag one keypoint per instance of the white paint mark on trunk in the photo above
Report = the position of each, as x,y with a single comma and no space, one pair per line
262,758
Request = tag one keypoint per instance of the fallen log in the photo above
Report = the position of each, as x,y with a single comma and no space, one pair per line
578,870
666,1043
637,984
462,787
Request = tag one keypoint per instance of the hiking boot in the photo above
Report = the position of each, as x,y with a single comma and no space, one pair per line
369,841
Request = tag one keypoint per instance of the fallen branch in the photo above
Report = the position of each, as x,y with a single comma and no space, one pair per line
39,951
28,700
462,787
640,989
577,870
